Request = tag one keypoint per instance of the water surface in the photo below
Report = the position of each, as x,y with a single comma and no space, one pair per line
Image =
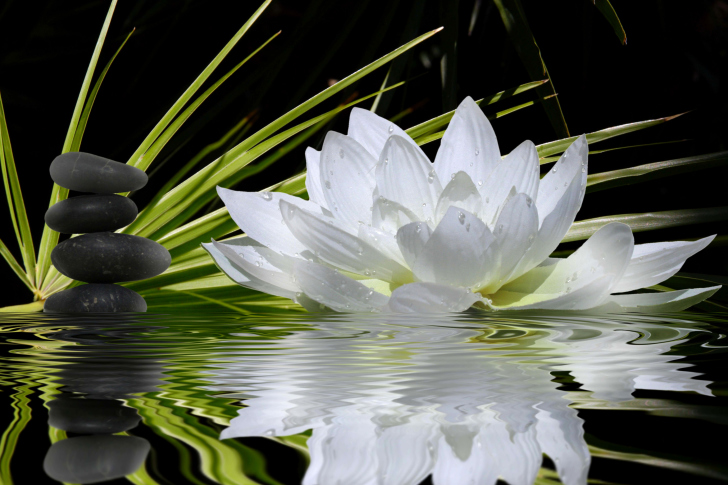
447,399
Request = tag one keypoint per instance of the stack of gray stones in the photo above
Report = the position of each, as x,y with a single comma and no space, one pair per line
98,256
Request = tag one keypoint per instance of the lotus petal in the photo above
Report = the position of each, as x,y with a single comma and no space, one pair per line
469,145
347,171
655,262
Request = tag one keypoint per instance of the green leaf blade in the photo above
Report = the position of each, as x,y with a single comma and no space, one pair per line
16,204
647,221
49,239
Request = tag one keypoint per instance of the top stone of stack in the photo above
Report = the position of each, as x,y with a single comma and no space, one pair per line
85,172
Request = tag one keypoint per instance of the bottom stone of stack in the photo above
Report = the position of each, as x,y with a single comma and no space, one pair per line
96,298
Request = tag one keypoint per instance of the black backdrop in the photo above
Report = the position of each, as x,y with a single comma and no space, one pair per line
674,61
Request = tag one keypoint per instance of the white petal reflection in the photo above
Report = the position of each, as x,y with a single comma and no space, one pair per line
469,401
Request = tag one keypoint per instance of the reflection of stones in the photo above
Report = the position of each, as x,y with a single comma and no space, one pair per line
102,368
92,416
85,172
388,403
99,374
96,297
91,213
92,459
100,257
108,257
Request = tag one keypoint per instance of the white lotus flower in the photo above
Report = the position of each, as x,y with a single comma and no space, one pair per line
387,230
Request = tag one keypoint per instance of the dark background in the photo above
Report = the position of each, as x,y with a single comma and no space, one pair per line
674,61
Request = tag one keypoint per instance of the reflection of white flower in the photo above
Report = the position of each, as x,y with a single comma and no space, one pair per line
388,404
387,230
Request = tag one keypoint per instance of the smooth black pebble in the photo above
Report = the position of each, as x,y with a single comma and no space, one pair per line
95,298
91,459
91,213
108,257
85,172
92,416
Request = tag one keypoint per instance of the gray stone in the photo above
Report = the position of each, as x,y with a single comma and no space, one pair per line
85,172
92,459
108,257
92,416
91,213
95,298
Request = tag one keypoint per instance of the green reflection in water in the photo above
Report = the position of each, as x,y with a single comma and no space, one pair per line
307,381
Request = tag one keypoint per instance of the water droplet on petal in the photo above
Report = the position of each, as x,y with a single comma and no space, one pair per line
431,176
555,169
331,172
266,196
391,128
327,184
424,204
467,226
418,229
568,289
471,164
583,169
529,201
477,152
461,217
566,184
480,183
452,176
257,263
386,161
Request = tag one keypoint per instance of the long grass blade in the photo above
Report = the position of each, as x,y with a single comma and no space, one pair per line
423,140
184,195
648,221
514,19
151,154
16,205
557,146
83,120
643,173
239,176
49,239
442,120
15,265
610,14
137,158
607,150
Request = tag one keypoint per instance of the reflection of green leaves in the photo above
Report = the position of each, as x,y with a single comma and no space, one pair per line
610,15
20,403
514,19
